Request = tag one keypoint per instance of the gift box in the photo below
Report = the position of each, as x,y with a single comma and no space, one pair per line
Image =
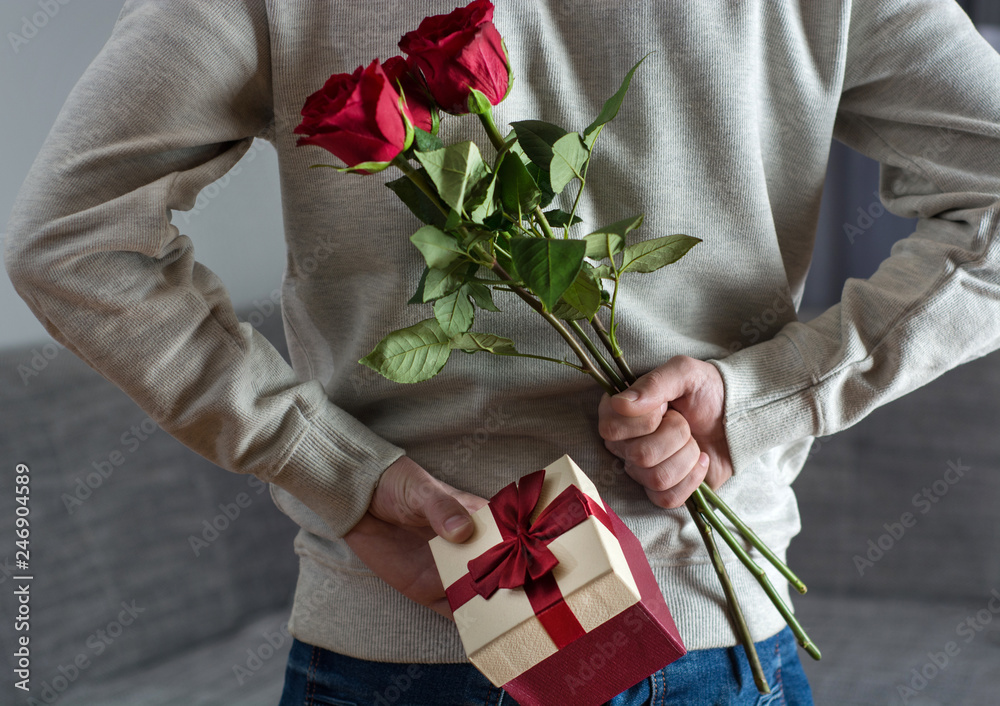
553,596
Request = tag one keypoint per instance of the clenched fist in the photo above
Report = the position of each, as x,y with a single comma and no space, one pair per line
668,429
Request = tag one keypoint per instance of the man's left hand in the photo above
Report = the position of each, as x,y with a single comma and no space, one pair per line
668,429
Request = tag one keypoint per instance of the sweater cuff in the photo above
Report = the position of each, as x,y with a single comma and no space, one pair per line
768,399
335,467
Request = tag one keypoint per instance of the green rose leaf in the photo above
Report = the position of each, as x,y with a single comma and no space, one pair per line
518,191
548,266
480,204
604,272
418,296
411,354
438,248
651,255
507,263
559,218
482,296
610,109
454,312
483,342
362,168
582,299
455,171
424,141
416,200
569,155
536,138
610,240
445,281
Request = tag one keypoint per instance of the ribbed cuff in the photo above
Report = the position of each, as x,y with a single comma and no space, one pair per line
767,399
335,466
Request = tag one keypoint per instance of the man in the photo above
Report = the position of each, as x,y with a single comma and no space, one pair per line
724,136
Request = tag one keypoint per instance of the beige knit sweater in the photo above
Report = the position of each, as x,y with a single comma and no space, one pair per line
724,136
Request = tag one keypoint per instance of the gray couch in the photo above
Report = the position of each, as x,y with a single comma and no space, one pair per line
161,579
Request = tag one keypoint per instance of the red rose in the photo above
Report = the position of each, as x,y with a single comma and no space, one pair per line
358,117
417,101
458,52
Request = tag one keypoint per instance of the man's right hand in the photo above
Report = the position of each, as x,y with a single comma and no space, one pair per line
409,507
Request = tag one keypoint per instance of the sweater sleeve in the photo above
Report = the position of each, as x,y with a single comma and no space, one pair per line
921,95
171,103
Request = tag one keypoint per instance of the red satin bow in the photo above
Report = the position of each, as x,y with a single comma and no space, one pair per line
523,559
523,554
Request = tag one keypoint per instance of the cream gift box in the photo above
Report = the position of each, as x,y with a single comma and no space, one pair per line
553,596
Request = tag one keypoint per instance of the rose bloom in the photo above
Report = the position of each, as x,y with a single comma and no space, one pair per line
417,101
458,52
357,117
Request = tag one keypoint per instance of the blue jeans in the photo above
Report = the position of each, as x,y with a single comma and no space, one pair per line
317,677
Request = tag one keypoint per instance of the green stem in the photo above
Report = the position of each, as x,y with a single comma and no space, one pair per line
596,354
762,579
576,201
588,364
735,612
553,360
492,131
544,223
751,537
602,333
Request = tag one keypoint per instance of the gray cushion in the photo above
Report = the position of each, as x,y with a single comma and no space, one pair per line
128,541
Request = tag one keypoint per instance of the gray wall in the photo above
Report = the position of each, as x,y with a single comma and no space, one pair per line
236,226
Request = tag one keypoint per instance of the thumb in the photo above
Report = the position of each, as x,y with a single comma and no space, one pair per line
447,516
407,495
653,391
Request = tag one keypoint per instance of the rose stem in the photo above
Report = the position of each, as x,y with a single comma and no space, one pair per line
596,353
602,333
759,574
720,504
558,326
486,118
735,612
732,602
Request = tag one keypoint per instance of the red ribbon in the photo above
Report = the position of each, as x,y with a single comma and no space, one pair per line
523,558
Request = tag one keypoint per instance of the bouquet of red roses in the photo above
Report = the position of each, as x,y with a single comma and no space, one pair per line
489,227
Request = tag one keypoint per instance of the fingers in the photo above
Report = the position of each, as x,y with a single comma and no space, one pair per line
676,495
669,464
663,385
410,496
656,440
